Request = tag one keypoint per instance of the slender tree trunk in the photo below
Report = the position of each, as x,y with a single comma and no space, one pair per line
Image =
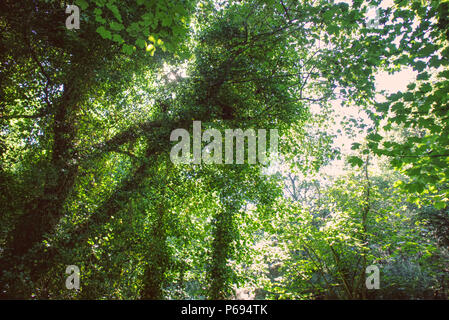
42,213
365,212
224,232
158,259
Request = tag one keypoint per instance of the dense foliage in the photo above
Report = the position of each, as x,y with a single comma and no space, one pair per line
86,177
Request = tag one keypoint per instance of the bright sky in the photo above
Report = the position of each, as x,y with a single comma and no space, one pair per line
389,83
395,82
384,81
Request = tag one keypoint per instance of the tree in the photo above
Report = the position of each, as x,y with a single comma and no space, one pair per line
86,117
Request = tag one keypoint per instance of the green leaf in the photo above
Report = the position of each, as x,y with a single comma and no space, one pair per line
117,38
127,49
355,146
419,66
114,11
141,43
374,137
166,21
116,26
152,39
439,205
355,161
104,33
151,49
411,86
423,76
82,4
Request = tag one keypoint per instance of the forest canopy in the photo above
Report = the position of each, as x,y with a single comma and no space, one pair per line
355,177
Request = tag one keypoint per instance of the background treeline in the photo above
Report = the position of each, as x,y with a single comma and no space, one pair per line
86,178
